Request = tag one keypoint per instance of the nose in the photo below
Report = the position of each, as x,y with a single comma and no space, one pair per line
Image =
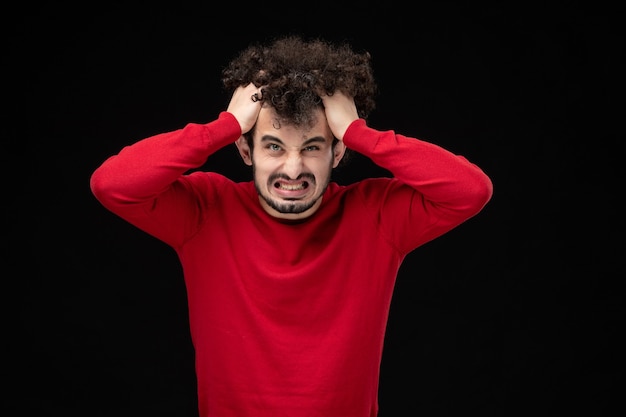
293,164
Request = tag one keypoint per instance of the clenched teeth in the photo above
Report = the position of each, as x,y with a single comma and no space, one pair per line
292,187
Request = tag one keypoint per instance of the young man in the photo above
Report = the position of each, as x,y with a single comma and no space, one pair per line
290,276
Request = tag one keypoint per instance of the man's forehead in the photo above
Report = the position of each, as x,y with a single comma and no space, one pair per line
269,126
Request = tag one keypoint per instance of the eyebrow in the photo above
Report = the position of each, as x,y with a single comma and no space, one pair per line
315,139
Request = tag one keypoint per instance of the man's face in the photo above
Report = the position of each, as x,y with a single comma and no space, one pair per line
291,166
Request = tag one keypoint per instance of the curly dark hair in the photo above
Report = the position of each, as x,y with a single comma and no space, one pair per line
294,71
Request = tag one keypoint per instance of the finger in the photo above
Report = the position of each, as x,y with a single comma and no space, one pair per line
258,95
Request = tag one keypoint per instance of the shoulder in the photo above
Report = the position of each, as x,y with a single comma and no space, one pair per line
369,190
215,184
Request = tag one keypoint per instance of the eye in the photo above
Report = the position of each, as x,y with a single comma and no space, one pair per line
312,148
274,147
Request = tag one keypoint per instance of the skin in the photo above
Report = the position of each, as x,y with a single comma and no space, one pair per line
291,165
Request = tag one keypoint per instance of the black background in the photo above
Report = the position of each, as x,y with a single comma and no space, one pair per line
518,311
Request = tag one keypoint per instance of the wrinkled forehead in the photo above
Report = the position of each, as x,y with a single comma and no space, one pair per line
269,123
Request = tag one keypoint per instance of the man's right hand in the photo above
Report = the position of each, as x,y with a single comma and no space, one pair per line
244,108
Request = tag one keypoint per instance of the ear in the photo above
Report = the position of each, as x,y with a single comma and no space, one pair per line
338,152
244,150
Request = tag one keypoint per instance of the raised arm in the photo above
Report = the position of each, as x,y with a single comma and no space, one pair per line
145,182
436,190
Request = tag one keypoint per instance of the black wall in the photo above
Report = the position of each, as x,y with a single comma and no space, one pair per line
519,310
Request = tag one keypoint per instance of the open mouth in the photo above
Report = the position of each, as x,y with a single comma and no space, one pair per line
288,186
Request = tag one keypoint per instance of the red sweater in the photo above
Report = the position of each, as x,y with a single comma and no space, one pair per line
288,319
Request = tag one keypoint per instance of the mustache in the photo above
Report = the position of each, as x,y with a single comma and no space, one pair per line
303,176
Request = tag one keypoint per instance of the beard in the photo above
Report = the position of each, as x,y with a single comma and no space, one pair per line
285,206
289,207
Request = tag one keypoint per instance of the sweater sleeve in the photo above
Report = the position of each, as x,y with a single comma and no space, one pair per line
436,188
145,184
